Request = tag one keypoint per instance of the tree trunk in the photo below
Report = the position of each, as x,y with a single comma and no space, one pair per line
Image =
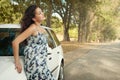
68,23
79,29
81,25
83,31
49,15
66,35
48,21
66,20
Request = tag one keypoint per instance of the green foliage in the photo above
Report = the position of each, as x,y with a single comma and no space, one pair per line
97,19
73,33
106,21
58,30
109,33
56,22
7,12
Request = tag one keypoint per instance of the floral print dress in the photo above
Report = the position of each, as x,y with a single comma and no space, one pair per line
35,52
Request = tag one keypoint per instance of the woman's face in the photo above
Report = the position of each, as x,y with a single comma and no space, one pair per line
39,15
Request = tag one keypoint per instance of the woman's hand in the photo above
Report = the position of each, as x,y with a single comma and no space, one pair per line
18,66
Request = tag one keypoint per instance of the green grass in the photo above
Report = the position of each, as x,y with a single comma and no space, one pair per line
73,33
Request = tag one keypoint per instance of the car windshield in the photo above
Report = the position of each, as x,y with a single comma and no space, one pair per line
6,37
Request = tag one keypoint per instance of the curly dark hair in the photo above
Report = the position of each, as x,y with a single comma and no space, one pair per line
26,20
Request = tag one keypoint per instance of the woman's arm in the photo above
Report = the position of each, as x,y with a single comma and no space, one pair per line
17,41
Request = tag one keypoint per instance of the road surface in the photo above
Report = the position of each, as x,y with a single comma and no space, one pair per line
101,62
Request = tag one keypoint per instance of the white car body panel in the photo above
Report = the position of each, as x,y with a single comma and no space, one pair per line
8,71
55,62
7,66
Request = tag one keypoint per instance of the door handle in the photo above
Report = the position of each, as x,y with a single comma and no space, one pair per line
50,58
49,53
58,52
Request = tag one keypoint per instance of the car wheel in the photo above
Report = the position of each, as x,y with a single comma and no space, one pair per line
61,72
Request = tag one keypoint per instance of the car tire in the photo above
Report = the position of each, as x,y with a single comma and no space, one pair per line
61,72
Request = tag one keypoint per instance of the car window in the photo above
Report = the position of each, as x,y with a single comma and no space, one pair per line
6,37
55,38
50,41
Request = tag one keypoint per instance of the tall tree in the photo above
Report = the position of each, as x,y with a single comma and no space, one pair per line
47,6
64,9
83,17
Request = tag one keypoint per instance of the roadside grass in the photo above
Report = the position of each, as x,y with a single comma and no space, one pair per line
73,45
70,46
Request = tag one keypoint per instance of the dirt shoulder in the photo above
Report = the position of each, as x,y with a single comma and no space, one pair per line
74,50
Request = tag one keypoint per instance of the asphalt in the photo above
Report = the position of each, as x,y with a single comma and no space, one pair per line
101,62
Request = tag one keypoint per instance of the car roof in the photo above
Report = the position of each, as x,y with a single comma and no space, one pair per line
16,26
9,26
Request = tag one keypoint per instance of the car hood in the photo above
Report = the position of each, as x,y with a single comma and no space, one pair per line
8,71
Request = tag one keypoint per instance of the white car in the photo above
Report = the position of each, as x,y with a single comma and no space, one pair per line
55,58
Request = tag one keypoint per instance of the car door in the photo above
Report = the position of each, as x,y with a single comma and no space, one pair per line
52,57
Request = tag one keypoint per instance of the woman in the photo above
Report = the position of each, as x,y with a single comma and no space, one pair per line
36,46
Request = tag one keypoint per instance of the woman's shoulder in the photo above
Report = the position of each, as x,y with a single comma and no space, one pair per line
32,27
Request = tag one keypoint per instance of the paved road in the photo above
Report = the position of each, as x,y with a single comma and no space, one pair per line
101,62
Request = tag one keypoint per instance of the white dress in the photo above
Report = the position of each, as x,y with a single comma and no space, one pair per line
35,58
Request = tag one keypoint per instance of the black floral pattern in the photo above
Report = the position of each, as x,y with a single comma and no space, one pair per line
35,58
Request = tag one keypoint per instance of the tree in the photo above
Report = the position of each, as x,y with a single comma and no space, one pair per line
7,14
106,18
47,6
64,9
109,33
84,16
